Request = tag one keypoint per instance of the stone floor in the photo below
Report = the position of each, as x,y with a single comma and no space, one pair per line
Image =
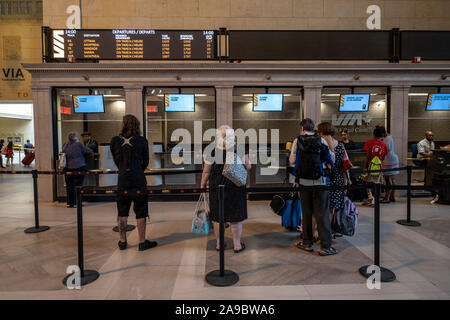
32,266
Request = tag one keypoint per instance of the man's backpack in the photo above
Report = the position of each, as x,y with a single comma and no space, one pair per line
345,220
375,164
310,149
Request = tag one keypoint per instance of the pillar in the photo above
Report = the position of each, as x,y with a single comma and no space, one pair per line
134,103
399,121
312,103
43,137
224,106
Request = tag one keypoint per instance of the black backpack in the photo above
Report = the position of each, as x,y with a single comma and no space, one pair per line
310,149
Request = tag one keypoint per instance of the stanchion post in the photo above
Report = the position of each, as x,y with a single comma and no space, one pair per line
386,275
36,227
408,221
87,276
222,277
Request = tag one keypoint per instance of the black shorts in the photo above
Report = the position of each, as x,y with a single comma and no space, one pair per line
139,197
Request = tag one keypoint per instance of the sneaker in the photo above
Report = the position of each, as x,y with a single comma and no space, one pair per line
327,252
307,248
436,199
147,244
122,245
70,206
368,202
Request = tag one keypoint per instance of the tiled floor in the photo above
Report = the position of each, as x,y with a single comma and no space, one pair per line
33,265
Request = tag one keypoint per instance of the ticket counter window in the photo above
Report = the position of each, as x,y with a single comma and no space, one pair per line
169,109
357,111
98,112
420,119
269,108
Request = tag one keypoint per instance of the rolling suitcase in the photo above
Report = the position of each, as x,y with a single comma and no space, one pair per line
28,159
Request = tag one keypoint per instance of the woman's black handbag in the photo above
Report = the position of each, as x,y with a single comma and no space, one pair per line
277,204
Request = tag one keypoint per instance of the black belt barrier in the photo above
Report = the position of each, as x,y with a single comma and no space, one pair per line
223,277
86,276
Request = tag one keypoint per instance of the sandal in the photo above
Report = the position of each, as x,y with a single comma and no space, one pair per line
385,201
241,249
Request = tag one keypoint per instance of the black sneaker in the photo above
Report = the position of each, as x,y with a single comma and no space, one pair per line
328,251
122,245
307,248
147,244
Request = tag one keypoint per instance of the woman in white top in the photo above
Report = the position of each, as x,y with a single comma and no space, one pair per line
390,162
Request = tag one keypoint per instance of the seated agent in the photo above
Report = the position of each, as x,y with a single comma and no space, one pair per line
131,155
426,146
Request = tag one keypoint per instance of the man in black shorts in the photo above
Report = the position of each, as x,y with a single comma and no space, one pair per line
131,156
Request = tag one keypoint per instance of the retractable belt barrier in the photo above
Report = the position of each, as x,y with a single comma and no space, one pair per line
224,277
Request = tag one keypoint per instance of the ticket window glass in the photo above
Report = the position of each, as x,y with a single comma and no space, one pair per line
421,120
360,122
286,119
101,125
196,106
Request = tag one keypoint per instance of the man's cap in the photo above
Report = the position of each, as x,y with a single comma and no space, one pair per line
85,134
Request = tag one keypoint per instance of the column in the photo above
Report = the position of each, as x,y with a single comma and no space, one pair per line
399,121
399,129
43,137
312,103
134,103
224,106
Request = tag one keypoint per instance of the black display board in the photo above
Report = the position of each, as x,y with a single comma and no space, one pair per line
429,45
310,45
133,44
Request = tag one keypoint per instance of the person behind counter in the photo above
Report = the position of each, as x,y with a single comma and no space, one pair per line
74,153
131,155
89,142
348,144
426,146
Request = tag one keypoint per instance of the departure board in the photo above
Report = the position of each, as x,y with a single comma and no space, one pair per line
133,44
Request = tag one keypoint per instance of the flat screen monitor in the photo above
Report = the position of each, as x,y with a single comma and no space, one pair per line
438,102
354,102
179,102
88,103
268,102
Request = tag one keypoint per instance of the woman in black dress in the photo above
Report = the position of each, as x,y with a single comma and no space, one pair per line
235,197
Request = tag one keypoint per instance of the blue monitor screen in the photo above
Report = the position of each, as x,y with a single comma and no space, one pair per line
268,102
438,102
354,102
88,104
179,102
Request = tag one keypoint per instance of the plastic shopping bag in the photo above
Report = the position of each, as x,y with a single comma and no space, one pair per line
200,223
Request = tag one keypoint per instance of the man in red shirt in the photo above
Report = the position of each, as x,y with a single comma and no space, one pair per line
374,148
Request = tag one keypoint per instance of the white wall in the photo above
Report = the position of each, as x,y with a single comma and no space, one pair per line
17,128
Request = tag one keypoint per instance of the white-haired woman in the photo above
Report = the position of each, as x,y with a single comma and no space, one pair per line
75,162
235,197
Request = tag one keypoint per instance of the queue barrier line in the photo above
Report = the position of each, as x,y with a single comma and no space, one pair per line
224,277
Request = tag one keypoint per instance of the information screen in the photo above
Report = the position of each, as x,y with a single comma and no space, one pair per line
268,102
438,102
136,44
179,102
354,102
88,104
